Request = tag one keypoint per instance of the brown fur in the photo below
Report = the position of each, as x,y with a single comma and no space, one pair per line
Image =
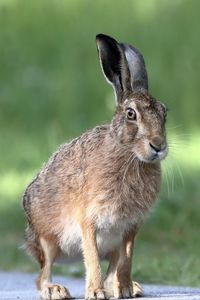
95,186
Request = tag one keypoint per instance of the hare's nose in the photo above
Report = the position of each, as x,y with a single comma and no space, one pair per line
157,143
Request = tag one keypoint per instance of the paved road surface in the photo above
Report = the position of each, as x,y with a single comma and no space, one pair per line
21,286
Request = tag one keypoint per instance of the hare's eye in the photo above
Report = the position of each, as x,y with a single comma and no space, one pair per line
131,114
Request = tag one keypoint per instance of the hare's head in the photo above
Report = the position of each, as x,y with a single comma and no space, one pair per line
139,121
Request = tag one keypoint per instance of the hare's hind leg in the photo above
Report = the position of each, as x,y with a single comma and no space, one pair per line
49,290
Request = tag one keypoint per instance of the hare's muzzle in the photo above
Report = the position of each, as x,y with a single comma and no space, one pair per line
158,148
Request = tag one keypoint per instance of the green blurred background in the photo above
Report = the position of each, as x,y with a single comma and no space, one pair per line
52,89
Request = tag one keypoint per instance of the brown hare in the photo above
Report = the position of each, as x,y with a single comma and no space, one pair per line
93,194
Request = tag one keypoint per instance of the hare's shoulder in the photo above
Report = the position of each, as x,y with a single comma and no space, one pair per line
69,157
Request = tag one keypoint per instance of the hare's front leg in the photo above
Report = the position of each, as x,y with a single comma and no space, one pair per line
118,282
94,280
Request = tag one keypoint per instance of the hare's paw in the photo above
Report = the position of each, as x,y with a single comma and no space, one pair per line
93,294
137,289
54,292
121,291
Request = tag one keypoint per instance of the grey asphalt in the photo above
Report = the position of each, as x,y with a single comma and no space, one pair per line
22,287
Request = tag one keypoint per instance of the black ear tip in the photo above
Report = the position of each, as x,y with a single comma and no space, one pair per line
104,37
101,36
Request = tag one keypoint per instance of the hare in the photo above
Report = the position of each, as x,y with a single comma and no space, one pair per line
93,194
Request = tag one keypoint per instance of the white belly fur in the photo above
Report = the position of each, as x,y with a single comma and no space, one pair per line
109,235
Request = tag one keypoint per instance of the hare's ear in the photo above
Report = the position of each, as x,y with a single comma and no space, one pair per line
137,69
114,64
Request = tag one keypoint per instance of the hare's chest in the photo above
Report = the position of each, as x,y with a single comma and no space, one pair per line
110,231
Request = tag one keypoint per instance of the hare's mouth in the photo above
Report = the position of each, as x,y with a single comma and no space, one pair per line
160,155
153,155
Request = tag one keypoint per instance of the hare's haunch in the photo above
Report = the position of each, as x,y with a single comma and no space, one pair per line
93,194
